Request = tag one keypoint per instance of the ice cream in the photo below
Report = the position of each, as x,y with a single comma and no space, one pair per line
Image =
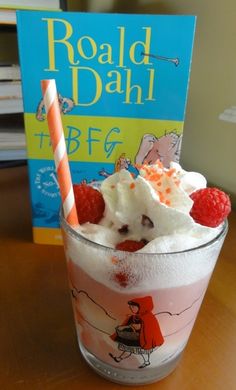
155,207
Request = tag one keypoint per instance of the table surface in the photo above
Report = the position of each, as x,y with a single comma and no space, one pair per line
38,346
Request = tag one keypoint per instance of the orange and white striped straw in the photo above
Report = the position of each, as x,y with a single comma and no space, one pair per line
52,108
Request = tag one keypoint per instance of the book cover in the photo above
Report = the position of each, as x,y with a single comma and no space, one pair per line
122,85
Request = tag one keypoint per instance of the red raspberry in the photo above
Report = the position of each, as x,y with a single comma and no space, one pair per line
211,206
130,245
122,278
89,202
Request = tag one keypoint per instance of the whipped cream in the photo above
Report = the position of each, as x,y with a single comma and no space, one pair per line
153,207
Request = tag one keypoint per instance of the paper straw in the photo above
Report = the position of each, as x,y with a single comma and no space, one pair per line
52,108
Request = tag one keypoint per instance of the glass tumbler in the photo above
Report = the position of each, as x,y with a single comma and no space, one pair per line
134,312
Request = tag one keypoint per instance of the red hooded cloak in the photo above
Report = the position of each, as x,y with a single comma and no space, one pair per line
150,332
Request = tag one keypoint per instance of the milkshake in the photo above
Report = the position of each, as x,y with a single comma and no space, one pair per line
138,272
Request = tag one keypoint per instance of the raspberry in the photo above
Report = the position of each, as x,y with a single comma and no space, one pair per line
211,206
131,245
89,202
122,278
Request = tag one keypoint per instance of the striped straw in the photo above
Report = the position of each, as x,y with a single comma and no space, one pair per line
59,149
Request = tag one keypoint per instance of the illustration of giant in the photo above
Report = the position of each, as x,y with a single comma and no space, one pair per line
166,149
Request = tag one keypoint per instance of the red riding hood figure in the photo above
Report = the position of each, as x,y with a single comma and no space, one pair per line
140,333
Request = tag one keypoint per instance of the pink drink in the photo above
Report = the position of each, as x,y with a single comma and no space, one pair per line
134,312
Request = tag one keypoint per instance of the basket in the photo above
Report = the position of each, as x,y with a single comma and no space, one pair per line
127,333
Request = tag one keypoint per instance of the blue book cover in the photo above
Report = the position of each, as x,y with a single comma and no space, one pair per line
122,84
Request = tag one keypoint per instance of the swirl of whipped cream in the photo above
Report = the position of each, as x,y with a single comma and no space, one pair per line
153,207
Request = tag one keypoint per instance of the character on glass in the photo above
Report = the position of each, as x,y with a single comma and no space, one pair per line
140,334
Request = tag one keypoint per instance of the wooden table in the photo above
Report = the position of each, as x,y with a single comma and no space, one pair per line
38,347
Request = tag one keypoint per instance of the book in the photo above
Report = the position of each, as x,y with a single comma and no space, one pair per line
12,138
14,154
122,84
7,16
8,9
11,105
35,4
9,71
10,89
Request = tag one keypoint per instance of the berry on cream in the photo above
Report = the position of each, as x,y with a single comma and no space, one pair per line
153,212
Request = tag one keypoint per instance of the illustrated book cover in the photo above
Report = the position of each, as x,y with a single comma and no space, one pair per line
122,84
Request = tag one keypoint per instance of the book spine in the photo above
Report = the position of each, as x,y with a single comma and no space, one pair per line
10,72
32,6
63,5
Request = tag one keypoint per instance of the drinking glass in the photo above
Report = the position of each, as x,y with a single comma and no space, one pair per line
134,312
